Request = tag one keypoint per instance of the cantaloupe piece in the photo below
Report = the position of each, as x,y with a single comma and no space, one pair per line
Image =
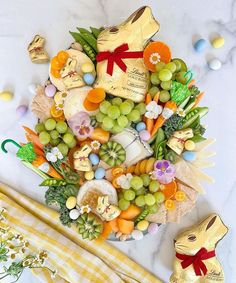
96,95
130,213
125,226
100,135
106,231
90,106
114,226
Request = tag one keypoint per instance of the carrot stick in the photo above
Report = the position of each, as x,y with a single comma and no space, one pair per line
198,99
35,140
149,124
156,97
38,151
29,131
159,123
40,160
148,98
192,82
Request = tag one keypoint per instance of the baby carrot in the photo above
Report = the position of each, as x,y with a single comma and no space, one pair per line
149,124
148,98
40,161
35,140
192,82
29,131
156,97
198,99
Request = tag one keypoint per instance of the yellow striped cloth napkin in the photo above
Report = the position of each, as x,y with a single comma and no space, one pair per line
76,260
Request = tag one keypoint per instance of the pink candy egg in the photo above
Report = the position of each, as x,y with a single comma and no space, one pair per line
21,110
50,90
144,135
152,228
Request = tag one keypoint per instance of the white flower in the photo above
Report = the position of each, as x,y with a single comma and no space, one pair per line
95,145
124,181
155,58
84,209
54,155
180,112
153,110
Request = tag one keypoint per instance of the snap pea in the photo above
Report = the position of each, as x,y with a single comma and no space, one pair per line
184,103
190,105
160,150
88,37
95,31
142,215
198,138
53,182
193,115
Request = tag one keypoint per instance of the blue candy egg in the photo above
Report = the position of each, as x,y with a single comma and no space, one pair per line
88,79
140,126
189,155
99,173
200,45
94,159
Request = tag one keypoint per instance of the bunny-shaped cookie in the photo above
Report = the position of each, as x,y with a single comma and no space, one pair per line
36,50
195,260
136,31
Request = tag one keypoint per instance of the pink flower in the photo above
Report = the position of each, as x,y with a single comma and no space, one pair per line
80,125
164,171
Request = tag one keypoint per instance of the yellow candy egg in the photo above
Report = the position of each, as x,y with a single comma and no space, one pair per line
6,95
87,68
218,42
71,202
142,225
89,175
189,145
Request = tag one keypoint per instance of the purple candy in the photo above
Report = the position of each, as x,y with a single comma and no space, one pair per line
144,135
21,110
50,90
152,228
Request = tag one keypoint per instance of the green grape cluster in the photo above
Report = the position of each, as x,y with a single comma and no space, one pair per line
56,134
142,192
166,73
116,114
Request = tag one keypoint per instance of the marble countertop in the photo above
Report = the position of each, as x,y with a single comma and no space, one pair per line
181,22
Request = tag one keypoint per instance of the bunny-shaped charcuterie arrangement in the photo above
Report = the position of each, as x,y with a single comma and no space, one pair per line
120,69
195,260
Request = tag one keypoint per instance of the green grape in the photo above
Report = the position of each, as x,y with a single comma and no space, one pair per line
164,96
171,66
153,208
154,186
63,148
100,116
177,64
103,126
39,128
159,66
61,127
122,121
159,197
116,101
141,107
146,179
129,195
72,143
123,204
134,116
103,107
183,66
149,199
50,124
54,134
166,85
136,183
155,79
113,112
165,75
108,122
141,191
116,128
44,138
153,91
140,201
125,108
130,102
54,142
68,138
180,77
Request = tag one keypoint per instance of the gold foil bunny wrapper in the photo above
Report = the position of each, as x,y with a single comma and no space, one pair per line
136,31
36,50
195,259
81,160
106,210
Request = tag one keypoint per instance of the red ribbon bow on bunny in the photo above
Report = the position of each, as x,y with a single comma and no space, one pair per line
121,52
196,260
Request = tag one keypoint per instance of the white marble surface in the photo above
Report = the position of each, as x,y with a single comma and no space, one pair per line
181,22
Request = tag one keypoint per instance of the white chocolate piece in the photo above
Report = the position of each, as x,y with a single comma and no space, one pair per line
36,50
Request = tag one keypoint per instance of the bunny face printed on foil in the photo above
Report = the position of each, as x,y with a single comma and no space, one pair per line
136,31
205,235
36,50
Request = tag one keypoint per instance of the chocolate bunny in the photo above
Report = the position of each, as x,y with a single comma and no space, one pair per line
195,260
136,31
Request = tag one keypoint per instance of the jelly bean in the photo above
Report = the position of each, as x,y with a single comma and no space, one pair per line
21,110
94,159
189,155
214,64
144,135
152,228
50,90
71,202
87,68
189,145
137,235
142,225
74,214
140,126
200,45
99,173
88,79
218,42
6,95
89,175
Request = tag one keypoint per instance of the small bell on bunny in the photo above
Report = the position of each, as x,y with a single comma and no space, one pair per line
120,69
36,50
195,260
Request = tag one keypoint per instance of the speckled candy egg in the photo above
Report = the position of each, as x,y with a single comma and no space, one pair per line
88,79
214,64
87,68
89,175
6,96
140,126
200,45
218,42
71,202
94,159
142,225
189,155
21,110
144,135
152,228
74,214
50,90
99,173
137,235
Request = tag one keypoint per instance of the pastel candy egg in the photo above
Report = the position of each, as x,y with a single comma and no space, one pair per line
142,225
32,88
74,214
89,175
99,173
200,45
6,96
189,145
88,79
152,228
71,202
140,126
189,155
21,110
218,42
87,68
144,135
214,64
50,90
137,235
94,159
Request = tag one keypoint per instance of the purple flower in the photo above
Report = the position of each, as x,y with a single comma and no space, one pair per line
80,125
164,171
